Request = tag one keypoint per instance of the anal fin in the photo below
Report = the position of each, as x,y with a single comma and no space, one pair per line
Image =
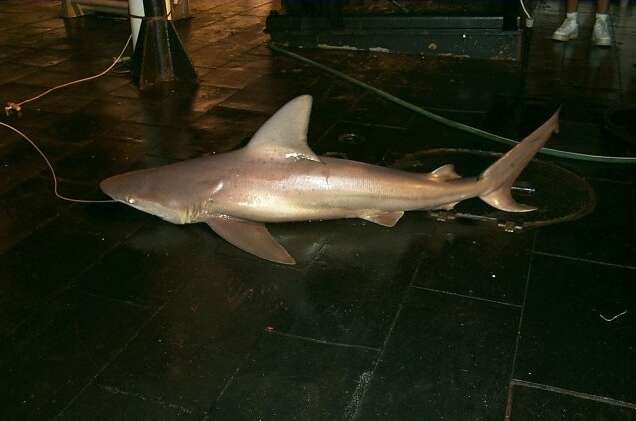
448,206
502,199
387,219
252,237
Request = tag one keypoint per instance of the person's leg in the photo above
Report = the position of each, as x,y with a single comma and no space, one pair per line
572,5
602,6
601,35
569,29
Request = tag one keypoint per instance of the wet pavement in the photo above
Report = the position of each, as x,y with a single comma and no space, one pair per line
108,313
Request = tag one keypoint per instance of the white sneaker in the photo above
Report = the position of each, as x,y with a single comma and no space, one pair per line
568,30
601,35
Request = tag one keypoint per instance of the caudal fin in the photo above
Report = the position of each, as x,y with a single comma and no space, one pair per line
500,176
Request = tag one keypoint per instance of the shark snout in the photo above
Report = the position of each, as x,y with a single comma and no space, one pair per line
109,187
124,188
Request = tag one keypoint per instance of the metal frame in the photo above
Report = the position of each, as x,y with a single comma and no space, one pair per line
490,37
180,9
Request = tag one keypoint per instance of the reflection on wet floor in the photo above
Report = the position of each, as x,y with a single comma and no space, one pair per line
108,313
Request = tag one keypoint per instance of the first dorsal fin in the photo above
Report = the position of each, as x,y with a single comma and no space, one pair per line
284,135
444,173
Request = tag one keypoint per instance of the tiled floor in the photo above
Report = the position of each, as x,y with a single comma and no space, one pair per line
108,313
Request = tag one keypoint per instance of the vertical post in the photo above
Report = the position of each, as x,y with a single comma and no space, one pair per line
71,9
135,8
155,8
159,55
169,9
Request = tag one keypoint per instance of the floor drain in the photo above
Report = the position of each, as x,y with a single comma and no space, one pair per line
351,138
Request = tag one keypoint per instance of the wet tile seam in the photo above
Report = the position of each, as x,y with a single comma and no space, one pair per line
110,361
470,297
27,234
322,341
515,353
117,391
617,59
580,259
374,125
573,393
45,302
208,415
354,413
120,300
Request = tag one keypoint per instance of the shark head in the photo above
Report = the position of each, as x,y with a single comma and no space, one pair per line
142,191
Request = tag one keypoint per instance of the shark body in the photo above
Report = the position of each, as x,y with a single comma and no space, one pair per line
277,178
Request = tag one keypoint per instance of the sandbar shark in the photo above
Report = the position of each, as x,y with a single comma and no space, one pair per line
276,177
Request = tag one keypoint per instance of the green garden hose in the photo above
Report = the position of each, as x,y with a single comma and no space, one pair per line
448,122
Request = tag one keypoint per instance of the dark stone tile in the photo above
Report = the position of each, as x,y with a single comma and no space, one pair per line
101,159
351,292
9,52
51,23
103,403
19,161
293,379
98,88
476,260
371,109
207,97
358,142
78,127
215,55
16,92
565,342
79,64
25,208
195,343
235,77
606,235
74,337
266,94
14,71
425,134
62,250
225,129
127,91
45,79
447,358
534,404
169,105
112,108
152,265
44,58
170,143
61,104
333,99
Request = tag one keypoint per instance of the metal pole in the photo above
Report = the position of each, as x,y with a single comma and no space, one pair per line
159,55
135,8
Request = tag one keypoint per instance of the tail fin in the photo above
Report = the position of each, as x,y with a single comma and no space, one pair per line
500,176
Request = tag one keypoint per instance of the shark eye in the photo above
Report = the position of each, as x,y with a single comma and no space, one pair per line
131,200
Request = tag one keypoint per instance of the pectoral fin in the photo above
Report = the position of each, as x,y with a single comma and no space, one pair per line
387,219
252,237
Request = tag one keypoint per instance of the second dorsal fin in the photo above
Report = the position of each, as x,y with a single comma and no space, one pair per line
284,135
444,173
